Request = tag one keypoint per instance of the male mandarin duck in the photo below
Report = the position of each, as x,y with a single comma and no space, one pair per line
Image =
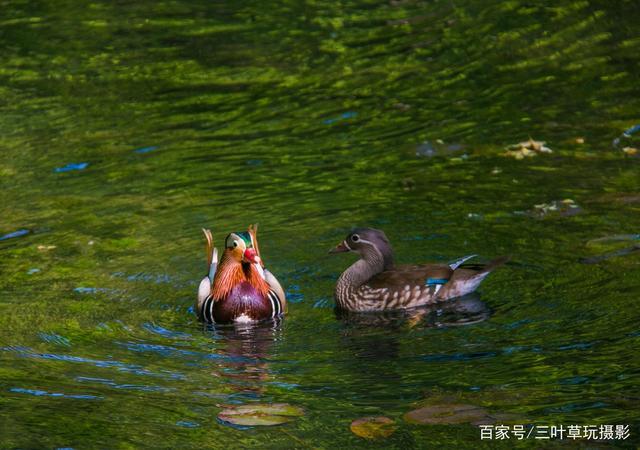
373,283
238,288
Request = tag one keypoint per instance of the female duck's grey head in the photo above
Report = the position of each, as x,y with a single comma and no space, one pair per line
362,239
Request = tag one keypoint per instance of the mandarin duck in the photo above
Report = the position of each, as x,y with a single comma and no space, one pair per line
373,283
238,288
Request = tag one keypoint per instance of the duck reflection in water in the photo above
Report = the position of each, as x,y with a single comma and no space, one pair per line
361,328
245,349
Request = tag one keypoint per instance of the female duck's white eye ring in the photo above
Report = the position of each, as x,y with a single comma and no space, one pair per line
355,237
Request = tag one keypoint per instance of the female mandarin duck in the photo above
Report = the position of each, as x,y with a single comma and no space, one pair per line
238,288
373,283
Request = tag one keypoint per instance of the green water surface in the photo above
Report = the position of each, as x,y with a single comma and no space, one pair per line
126,127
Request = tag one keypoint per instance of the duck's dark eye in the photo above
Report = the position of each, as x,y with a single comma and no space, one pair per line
355,238
235,244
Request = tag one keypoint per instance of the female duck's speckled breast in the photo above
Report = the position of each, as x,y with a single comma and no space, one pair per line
242,299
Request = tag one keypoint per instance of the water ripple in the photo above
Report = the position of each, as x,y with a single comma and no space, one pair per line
169,351
130,387
14,234
40,393
54,339
157,329
576,346
26,352
187,424
459,356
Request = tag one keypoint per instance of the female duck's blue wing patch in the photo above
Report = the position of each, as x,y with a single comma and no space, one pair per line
435,284
435,281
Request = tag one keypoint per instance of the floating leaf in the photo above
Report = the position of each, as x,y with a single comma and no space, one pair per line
260,414
613,239
448,414
563,208
624,198
614,245
527,149
604,257
373,427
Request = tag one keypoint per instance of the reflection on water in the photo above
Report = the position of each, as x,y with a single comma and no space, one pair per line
128,127
247,348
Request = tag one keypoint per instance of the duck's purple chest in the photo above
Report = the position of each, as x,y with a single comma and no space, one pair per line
245,300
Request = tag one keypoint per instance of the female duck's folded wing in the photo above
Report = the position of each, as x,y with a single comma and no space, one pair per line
431,282
403,287
410,275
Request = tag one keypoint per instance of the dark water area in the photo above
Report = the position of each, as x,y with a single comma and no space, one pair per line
126,127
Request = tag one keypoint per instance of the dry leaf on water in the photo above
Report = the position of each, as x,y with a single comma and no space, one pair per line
526,149
260,414
373,427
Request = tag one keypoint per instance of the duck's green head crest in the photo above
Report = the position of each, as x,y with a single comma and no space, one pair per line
246,237
240,239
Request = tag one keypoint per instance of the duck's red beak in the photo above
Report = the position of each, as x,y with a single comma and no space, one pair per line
340,248
250,255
